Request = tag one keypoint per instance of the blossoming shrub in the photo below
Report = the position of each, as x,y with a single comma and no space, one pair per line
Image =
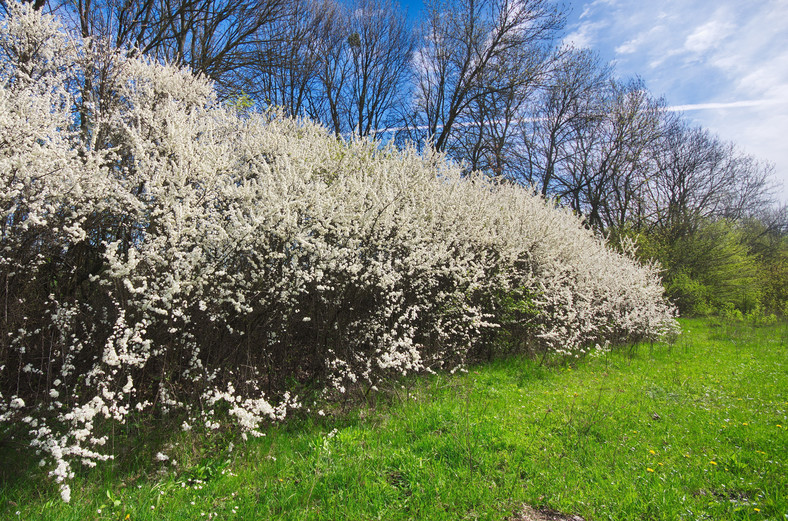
161,251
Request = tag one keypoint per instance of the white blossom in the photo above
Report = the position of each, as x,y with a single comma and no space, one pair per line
227,254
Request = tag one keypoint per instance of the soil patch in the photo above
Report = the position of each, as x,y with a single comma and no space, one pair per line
528,513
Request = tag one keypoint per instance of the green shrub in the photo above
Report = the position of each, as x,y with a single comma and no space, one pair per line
689,295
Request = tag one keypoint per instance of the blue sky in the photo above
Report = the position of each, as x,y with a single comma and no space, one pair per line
725,62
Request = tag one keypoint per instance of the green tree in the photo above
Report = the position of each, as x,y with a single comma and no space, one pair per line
711,268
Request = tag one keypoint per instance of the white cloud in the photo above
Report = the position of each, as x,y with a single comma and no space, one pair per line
642,40
585,34
627,48
708,36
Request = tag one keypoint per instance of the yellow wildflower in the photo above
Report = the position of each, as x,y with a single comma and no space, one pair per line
649,469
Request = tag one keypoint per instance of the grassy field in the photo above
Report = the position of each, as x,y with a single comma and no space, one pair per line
693,430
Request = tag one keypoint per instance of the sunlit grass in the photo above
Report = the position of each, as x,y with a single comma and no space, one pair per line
697,429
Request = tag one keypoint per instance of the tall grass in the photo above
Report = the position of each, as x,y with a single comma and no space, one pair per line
695,429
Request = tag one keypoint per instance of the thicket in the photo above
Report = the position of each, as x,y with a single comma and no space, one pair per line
725,265
164,253
490,84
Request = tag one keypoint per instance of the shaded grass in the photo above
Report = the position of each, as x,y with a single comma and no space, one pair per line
697,429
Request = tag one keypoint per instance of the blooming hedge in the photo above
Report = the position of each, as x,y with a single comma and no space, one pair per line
162,251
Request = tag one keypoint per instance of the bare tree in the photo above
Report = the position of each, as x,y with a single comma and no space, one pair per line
363,55
328,101
468,52
701,177
572,99
289,62
380,52
218,38
752,195
609,164
486,140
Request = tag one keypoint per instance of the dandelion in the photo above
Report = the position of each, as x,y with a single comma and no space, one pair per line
745,423
757,509
713,463
651,451
649,469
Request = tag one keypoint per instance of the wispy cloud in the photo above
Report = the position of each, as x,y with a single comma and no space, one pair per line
585,34
708,36
627,48
721,106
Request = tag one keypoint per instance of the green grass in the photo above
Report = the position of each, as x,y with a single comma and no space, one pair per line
693,430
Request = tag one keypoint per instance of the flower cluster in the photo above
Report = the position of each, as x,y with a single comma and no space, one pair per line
162,252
